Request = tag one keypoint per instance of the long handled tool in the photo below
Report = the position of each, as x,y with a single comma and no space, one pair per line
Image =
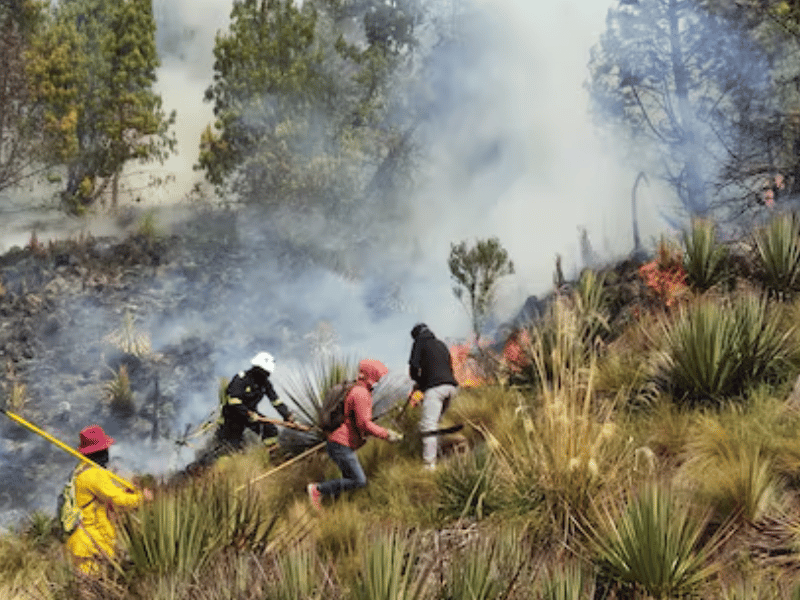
17,419
290,424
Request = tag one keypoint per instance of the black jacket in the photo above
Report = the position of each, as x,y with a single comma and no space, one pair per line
244,392
430,363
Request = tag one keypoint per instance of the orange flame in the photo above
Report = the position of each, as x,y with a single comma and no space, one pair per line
465,368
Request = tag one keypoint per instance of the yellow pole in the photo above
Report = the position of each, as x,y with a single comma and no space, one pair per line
63,446
280,466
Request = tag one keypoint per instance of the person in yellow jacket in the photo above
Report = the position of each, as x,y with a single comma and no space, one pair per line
99,496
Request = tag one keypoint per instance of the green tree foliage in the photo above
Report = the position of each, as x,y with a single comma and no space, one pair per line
678,80
92,68
18,140
304,114
476,271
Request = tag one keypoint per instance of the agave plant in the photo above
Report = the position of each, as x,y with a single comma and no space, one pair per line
486,568
298,576
655,543
393,569
180,531
704,258
570,581
710,352
777,255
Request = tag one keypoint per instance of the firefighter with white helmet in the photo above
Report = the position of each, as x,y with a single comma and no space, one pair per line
240,408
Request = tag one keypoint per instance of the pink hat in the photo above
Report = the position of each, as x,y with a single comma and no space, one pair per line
94,439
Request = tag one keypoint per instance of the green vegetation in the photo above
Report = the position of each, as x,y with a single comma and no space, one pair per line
650,456
475,271
91,70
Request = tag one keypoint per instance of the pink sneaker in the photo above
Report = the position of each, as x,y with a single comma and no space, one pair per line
314,496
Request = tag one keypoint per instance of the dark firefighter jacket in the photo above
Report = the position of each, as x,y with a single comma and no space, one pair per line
244,392
430,362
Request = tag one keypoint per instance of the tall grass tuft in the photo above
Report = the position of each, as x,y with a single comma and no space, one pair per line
129,339
566,448
734,470
655,543
468,486
777,255
393,569
711,352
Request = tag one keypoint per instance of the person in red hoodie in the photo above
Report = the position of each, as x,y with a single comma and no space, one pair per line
343,442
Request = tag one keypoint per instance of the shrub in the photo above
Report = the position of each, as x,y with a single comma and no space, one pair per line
181,531
655,543
704,258
711,353
393,569
468,486
777,255
120,395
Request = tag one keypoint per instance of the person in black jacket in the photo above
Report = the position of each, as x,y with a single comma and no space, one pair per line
240,410
430,367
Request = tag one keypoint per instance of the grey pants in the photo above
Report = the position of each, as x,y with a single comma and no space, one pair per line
434,404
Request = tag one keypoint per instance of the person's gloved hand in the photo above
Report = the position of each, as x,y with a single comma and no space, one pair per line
415,397
394,436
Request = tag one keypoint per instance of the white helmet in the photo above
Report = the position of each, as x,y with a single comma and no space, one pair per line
264,360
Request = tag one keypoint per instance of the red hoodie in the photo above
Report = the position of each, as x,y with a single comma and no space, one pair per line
358,408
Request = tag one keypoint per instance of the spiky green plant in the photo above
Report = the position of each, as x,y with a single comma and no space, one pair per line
180,531
393,569
567,581
40,529
710,352
704,258
485,568
655,543
777,255
119,393
299,575
307,388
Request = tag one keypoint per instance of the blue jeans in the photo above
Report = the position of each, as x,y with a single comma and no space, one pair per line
352,473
